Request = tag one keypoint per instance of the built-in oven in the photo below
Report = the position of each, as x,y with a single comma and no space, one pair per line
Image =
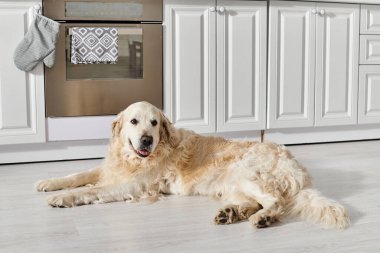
75,88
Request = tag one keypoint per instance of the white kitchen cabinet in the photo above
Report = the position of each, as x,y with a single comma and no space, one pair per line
313,64
291,64
241,65
22,109
369,94
215,64
337,61
370,49
370,19
190,64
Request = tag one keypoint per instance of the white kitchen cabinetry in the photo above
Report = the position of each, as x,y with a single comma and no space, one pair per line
241,65
313,64
369,94
190,64
215,60
369,72
22,109
370,49
370,19
291,64
337,61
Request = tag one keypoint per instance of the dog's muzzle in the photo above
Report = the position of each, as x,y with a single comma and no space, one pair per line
145,148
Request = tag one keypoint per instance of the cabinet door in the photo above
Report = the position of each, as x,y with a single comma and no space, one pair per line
337,64
291,64
22,109
190,66
241,65
369,94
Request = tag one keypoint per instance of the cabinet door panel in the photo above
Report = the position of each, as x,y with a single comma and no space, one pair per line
369,94
291,64
22,109
190,49
337,64
369,49
370,19
241,65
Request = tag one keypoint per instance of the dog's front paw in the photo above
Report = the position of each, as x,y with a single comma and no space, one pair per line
61,200
227,215
45,185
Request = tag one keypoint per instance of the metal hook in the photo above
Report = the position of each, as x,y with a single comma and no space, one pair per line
38,9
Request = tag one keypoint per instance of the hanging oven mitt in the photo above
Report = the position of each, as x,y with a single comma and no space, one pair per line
38,44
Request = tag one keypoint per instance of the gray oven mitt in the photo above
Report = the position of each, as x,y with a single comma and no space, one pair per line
38,44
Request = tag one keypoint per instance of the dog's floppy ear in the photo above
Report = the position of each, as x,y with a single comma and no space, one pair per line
117,125
167,132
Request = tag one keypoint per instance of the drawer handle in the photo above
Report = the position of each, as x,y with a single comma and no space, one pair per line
322,12
314,11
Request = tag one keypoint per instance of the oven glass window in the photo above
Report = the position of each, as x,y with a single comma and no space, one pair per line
126,63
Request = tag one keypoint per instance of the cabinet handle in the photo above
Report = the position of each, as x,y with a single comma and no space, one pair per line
221,9
314,11
212,9
322,12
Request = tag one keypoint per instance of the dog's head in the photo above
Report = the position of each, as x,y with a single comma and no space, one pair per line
141,127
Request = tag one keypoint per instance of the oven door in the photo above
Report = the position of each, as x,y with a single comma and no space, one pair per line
106,89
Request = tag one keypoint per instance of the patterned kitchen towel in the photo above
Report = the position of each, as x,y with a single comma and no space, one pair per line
92,45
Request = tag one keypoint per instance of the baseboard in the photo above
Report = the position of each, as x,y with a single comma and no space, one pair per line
322,134
242,135
53,151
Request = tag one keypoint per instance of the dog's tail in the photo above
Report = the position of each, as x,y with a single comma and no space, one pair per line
309,204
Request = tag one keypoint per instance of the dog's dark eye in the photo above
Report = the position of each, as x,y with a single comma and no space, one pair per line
154,122
134,121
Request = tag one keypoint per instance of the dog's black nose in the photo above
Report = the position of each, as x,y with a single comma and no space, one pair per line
146,141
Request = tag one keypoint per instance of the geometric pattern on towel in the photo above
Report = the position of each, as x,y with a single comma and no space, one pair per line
93,45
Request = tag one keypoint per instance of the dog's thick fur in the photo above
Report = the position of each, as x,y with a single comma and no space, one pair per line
261,182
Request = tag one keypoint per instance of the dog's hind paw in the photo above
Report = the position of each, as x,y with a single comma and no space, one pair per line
263,219
227,215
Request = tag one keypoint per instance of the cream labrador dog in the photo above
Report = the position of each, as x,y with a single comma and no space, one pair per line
148,157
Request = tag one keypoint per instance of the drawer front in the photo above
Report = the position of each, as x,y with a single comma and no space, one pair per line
370,49
370,19
369,93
